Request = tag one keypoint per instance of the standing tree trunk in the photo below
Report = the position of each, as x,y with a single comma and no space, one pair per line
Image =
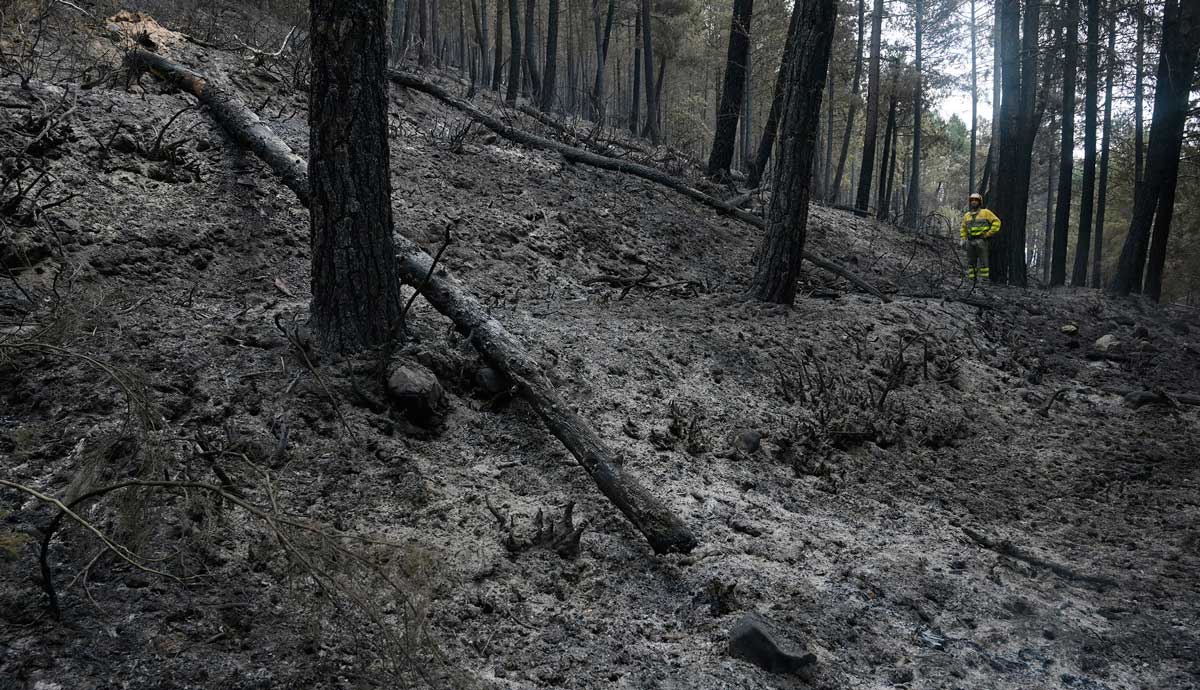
634,115
889,134
787,216
759,162
399,14
1066,165
514,54
355,278
1110,59
871,130
913,207
548,86
1176,67
1091,105
498,52
648,66
1019,118
1048,239
423,28
974,104
746,124
732,90
479,17
602,41
433,30
993,157
533,74
1139,140
831,193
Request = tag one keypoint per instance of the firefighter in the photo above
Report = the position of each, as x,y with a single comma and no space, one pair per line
978,225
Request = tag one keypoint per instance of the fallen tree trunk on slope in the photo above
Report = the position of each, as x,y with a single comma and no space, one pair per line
662,528
578,155
241,122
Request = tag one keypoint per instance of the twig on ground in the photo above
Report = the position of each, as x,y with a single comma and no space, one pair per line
1006,548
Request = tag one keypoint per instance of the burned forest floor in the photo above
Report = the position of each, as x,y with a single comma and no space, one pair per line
965,487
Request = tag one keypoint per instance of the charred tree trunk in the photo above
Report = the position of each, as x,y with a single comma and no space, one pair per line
498,51
1066,165
1111,59
912,209
852,108
787,216
634,115
870,131
1048,231
355,284
1091,105
767,143
531,67
423,40
1139,140
888,204
599,107
514,53
396,31
1175,71
732,90
648,66
889,134
974,104
548,85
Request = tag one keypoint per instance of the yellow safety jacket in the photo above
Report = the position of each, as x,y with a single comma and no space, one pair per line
981,223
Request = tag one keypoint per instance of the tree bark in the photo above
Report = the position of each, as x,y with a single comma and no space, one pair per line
767,143
1048,231
648,66
514,54
852,109
870,131
531,67
1111,58
974,103
548,87
732,90
636,94
1176,67
1066,165
399,14
912,209
1091,105
889,134
602,41
1139,140
498,52
782,248
355,284
423,39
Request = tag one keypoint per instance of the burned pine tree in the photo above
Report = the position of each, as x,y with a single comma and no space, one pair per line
732,89
787,216
1155,197
863,197
355,279
767,143
1091,97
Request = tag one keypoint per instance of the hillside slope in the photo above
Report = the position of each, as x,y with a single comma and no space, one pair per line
842,461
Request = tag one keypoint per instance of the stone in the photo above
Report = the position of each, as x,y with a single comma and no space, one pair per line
1070,329
1141,332
490,380
1106,343
416,391
748,441
752,640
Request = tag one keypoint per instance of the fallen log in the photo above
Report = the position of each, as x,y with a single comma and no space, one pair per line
662,528
1007,548
241,122
577,155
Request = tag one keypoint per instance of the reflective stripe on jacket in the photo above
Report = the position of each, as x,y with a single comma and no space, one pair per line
981,223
